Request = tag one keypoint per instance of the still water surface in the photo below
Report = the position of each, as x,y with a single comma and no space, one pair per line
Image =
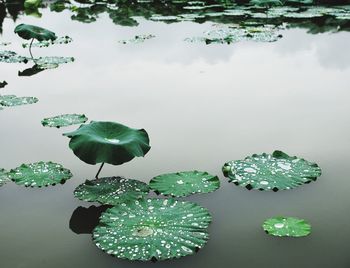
202,105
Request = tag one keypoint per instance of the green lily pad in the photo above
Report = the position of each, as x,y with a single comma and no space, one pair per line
64,120
282,226
39,174
13,100
185,183
276,171
12,57
108,142
3,177
111,190
28,32
138,39
52,62
152,229
46,43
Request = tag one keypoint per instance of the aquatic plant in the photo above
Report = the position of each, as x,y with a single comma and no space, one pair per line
111,190
108,142
276,171
152,229
3,177
13,100
39,174
64,120
184,183
12,57
138,39
287,226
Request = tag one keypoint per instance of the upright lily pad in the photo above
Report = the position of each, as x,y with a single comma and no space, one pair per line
282,226
39,174
13,100
276,171
108,142
153,229
64,120
184,183
3,177
28,32
111,190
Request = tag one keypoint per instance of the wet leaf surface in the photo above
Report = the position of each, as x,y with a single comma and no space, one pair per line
64,120
287,226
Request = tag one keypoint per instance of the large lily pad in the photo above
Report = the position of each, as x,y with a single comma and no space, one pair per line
39,174
3,177
111,190
64,120
153,229
276,171
283,226
185,183
108,142
27,32
13,100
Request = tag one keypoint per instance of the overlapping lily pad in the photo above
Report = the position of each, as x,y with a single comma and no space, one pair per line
3,177
64,120
153,229
13,100
45,43
287,226
111,190
184,183
276,171
39,174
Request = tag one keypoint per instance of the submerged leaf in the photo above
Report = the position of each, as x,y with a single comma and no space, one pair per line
153,229
39,174
282,226
27,32
111,190
278,171
184,183
64,120
3,177
13,100
108,142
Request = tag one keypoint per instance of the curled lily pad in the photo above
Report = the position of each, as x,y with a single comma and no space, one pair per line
276,171
39,174
64,120
111,190
185,183
283,226
46,43
28,32
108,142
152,229
12,57
3,177
13,100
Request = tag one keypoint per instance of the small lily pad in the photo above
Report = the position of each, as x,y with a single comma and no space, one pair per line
138,39
39,174
276,171
12,57
48,62
185,183
13,100
45,43
3,177
283,226
64,120
153,229
111,190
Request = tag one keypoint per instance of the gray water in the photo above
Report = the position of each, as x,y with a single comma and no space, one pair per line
202,106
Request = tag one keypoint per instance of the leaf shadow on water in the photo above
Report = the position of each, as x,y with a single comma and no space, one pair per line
35,69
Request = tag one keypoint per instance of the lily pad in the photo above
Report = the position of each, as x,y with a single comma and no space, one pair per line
3,177
184,183
52,62
12,57
153,229
108,142
138,39
35,69
283,226
28,32
46,43
39,174
13,100
64,120
111,190
276,171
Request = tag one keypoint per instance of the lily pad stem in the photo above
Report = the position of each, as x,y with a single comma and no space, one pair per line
30,50
98,172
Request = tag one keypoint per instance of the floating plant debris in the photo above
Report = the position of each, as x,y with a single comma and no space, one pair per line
276,171
28,32
39,174
64,120
3,84
46,43
283,226
13,100
184,183
108,142
3,177
12,57
152,229
111,190
138,39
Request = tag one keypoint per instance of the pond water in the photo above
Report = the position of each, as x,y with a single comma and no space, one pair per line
202,106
